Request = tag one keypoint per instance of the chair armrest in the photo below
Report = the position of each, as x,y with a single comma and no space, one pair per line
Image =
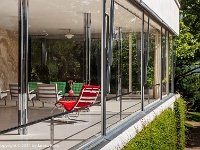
5,91
32,91
59,92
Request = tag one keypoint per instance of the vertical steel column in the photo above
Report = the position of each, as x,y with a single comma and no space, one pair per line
167,61
103,71
110,50
130,63
23,65
87,27
161,62
86,47
164,61
142,64
120,70
173,66
147,54
118,66
119,77
89,47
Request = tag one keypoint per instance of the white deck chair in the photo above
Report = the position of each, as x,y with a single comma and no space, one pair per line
48,93
14,93
3,95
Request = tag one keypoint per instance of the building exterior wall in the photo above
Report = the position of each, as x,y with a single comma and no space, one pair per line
8,58
167,10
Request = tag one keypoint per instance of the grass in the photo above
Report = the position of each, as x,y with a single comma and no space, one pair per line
193,116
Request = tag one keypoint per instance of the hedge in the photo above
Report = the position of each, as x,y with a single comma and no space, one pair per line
166,131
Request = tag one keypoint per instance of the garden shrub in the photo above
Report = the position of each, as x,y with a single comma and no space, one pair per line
166,131
180,114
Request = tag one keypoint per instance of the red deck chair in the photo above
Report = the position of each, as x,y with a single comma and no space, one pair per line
87,97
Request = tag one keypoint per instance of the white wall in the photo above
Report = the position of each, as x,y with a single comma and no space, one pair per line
167,10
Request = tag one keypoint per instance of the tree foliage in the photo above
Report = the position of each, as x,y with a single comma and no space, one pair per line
187,76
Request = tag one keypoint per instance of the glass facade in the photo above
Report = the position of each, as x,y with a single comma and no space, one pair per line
8,57
67,40
67,58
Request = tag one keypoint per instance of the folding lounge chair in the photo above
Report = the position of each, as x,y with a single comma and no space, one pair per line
48,93
14,93
87,97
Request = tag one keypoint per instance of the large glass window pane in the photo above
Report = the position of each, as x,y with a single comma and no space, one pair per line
53,48
147,59
125,70
65,44
8,61
167,62
155,50
164,58
149,56
152,61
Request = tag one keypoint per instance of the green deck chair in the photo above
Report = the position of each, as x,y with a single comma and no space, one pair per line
61,86
33,86
77,88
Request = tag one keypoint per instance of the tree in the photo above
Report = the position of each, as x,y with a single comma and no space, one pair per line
187,76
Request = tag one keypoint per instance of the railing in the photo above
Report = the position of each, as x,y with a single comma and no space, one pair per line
44,119
66,113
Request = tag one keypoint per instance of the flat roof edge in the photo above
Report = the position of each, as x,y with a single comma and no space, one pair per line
157,18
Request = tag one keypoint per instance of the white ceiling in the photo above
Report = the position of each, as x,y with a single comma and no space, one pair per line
56,16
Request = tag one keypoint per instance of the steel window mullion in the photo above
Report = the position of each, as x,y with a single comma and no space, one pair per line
161,62
86,46
167,65
173,66
142,64
103,72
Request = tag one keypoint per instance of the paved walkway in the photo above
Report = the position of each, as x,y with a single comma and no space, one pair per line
194,143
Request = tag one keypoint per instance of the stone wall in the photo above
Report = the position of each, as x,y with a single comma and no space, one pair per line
8,58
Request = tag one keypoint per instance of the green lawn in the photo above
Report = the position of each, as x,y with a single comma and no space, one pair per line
193,116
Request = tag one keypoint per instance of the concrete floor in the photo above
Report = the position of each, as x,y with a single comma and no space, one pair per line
68,134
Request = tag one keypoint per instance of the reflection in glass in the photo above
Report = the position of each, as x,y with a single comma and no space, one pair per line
56,57
170,63
125,69
164,58
8,60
